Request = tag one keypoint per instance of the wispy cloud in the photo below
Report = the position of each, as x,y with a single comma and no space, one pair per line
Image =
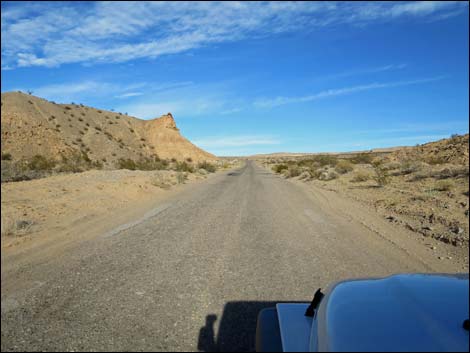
130,94
50,34
282,100
369,70
219,142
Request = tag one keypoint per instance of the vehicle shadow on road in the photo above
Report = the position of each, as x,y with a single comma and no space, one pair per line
237,327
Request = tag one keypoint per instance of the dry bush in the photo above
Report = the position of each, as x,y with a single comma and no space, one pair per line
409,168
16,227
6,157
293,171
185,167
278,168
327,175
360,176
181,177
211,168
343,167
362,158
381,174
142,164
452,172
443,185
160,181
39,162
434,160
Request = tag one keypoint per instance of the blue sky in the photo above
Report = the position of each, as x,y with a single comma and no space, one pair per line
245,78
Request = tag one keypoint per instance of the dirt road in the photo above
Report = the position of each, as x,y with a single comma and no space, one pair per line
194,274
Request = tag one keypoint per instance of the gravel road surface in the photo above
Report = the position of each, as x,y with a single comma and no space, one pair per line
194,273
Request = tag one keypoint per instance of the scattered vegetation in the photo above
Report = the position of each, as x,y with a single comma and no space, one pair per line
207,166
444,185
185,167
159,181
344,166
181,177
362,158
6,156
39,162
360,176
142,164
278,168
381,174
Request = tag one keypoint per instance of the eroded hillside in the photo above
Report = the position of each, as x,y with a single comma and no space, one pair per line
34,126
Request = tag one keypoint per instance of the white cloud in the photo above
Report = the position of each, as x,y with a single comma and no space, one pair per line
130,94
369,70
78,91
281,100
237,141
55,33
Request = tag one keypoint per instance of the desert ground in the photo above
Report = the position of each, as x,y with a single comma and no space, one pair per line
120,234
189,267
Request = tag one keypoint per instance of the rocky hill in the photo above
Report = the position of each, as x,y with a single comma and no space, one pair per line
31,125
454,150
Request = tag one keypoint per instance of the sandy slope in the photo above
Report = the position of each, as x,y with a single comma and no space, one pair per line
32,125
63,209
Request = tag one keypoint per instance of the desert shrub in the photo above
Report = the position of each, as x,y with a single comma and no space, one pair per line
443,185
327,175
211,168
278,168
362,158
435,160
67,108
189,160
74,163
409,168
126,163
131,130
454,172
85,157
142,139
159,181
184,167
392,165
293,171
381,174
98,128
6,156
343,167
181,177
80,119
150,164
422,174
324,160
142,164
15,227
173,160
39,162
360,176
